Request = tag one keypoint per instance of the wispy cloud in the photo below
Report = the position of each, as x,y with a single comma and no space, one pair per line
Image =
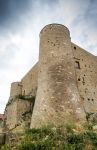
84,26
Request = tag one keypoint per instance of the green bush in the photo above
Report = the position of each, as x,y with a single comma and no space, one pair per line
57,138
26,146
6,147
70,127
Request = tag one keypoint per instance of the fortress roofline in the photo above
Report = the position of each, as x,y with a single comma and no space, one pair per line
83,49
53,24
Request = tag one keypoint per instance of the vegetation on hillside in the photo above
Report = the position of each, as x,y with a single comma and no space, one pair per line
69,137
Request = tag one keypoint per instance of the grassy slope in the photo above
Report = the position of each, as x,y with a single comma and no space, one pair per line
57,138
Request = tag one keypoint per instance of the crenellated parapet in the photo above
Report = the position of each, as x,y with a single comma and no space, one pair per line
16,89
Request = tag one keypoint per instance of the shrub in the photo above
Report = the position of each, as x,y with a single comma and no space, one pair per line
6,147
57,138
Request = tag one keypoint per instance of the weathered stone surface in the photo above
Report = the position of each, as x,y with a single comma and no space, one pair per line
18,112
86,78
64,82
16,89
57,100
29,82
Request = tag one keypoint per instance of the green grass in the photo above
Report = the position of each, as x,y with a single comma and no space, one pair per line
56,138
6,147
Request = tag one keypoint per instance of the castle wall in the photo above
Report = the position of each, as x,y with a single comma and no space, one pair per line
17,111
11,115
24,113
29,82
57,100
64,82
16,89
86,76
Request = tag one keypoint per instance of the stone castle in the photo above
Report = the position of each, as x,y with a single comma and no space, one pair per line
60,88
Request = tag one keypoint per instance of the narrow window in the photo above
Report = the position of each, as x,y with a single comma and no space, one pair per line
83,81
77,64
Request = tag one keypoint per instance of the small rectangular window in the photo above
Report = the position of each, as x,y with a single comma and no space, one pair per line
77,64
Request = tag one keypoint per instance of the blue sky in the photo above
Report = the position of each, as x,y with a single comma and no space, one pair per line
20,24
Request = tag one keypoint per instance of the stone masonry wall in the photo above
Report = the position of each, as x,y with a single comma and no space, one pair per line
11,115
29,82
64,82
86,76
57,100
16,108
16,112
24,111
16,89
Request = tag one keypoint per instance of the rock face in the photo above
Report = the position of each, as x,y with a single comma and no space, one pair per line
19,111
58,99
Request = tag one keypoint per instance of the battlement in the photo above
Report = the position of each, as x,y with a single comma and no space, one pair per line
16,89
54,26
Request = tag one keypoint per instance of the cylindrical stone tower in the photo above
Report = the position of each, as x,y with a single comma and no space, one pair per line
57,101
16,89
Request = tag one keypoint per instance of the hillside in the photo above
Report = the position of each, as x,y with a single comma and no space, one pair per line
69,137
